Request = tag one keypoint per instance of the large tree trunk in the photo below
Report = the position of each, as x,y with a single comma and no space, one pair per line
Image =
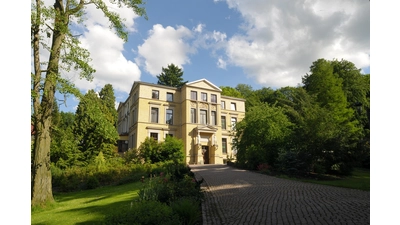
41,172
42,188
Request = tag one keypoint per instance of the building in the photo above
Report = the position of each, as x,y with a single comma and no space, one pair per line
195,113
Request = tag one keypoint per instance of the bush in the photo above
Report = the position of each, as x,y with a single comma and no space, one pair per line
264,168
81,178
188,210
144,213
177,182
92,183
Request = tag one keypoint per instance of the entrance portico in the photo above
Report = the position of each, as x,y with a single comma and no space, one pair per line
206,144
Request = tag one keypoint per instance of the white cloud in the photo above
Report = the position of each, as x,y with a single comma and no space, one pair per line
282,38
199,28
221,63
105,49
165,46
218,36
110,64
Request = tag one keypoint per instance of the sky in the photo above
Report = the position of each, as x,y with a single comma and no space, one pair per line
228,42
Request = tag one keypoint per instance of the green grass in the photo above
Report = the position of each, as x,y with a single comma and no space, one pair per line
360,179
86,207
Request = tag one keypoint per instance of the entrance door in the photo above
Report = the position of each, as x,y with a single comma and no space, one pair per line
206,154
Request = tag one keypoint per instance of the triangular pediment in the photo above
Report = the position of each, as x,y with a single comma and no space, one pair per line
205,84
207,128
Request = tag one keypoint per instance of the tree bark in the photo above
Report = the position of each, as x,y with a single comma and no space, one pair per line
41,172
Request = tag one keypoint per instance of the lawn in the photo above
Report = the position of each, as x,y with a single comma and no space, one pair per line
86,207
360,179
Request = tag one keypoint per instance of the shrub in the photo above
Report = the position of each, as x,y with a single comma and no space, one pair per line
92,182
263,168
167,187
144,213
157,189
188,210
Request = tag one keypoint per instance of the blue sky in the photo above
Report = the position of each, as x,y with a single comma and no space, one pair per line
228,42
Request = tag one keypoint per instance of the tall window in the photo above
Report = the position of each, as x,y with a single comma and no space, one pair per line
213,118
169,116
223,122
203,96
193,95
233,123
170,97
233,106
203,116
133,118
213,98
193,115
154,136
154,94
224,146
222,104
154,115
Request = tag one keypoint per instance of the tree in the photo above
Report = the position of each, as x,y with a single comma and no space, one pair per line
244,89
260,135
65,54
327,89
93,128
230,91
313,128
171,76
152,151
64,144
108,99
172,149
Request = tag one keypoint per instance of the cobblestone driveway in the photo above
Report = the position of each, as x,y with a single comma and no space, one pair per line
234,196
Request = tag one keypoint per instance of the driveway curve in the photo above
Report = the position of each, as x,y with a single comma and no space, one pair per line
235,196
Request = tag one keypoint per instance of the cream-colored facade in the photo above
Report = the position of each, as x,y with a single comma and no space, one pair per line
195,113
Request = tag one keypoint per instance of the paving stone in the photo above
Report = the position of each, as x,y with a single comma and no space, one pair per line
235,196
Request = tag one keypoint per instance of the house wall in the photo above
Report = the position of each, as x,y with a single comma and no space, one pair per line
140,125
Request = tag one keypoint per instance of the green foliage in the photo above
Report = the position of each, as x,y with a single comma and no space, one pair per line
108,103
330,84
131,156
244,89
171,76
64,54
230,91
144,213
151,151
188,210
260,135
93,129
172,149
64,146
100,161
83,177
174,182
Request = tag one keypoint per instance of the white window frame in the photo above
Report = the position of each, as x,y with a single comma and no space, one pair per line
172,116
151,114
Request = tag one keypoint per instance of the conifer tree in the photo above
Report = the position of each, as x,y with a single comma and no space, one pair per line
171,76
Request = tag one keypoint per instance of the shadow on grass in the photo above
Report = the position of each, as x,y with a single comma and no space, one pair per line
87,207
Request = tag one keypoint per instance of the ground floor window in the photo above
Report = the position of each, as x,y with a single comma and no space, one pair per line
224,146
154,136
